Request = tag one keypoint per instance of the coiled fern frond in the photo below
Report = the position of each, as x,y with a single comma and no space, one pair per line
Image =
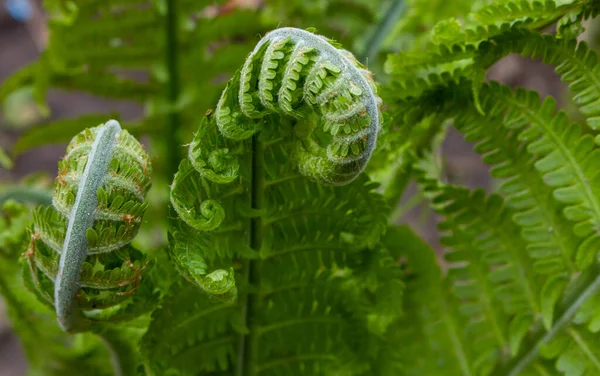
277,225
80,254
302,75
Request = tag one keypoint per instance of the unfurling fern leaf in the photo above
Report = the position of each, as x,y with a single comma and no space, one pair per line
330,131
80,254
299,74
285,255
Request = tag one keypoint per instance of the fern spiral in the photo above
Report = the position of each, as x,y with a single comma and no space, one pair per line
291,77
277,226
81,244
296,73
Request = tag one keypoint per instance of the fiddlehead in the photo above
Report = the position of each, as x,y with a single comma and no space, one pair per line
80,254
296,73
278,223
326,107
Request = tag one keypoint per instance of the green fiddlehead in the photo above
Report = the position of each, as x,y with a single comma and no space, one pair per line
80,254
296,73
278,226
301,90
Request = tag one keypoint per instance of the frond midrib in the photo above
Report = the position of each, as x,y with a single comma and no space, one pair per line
576,300
458,349
584,347
248,343
565,151
481,279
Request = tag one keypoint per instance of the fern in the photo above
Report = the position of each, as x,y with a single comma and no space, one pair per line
283,253
79,254
521,264
49,350
171,57
280,255
576,64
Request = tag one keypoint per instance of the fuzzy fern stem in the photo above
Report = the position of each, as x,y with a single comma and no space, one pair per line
75,247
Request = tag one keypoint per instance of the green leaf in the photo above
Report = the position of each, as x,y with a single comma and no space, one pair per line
59,131
5,161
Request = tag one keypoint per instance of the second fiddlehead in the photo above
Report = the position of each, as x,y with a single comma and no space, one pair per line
80,253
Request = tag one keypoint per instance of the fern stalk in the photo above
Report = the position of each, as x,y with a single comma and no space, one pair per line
382,30
171,131
27,194
75,247
122,355
573,304
253,270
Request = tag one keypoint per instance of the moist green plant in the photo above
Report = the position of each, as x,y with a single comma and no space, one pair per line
272,247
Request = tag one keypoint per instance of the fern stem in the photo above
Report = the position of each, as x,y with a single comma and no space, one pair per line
584,347
81,219
114,356
458,349
578,298
122,355
27,194
13,302
396,186
171,131
382,30
247,354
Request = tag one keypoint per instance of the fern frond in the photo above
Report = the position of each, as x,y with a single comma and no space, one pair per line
477,261
491,249
420,72
430,328
461,44
551,242
498,18
285,256
573,309
575,63
542,155
81,243
523,273
188,307
565,162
